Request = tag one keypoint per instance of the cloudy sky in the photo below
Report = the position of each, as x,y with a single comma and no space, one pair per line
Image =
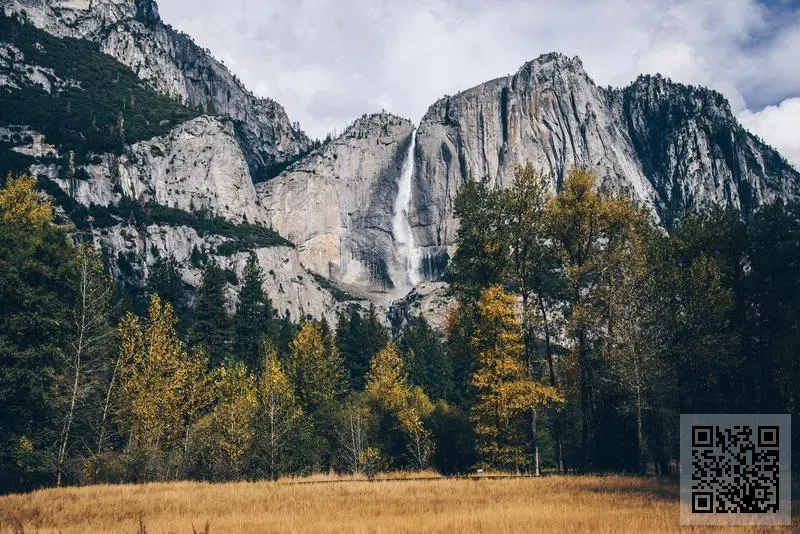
329,61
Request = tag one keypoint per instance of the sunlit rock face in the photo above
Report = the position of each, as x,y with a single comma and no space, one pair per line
669,147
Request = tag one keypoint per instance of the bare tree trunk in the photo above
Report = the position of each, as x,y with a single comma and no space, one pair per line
639,423
78,348
273,442
535,443
585,404
107,404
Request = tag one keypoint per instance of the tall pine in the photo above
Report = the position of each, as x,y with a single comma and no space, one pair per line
212,326
254,315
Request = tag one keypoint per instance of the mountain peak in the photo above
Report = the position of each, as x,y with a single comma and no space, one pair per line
147,11
374,124
555,60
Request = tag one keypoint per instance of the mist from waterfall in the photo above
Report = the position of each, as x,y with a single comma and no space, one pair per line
407,251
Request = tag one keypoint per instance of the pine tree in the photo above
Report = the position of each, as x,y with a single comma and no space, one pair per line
482,254
428,363
36,289
358,340
164,279
254,315
211,327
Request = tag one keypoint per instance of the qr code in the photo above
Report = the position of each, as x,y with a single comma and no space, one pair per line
736,470
735,466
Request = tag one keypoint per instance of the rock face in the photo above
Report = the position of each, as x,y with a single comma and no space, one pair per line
132,32
197,166
668,146
336,204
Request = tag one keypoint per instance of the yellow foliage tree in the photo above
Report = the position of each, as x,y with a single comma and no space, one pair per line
165,391
387,387
587,230
278,410
386,380
232,419
152,376
21,205
314,367
503,389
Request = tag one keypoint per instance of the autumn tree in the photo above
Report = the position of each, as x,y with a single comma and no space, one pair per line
314,367
388,389
164,390
503,388
586,228
279,414
231,423
353,431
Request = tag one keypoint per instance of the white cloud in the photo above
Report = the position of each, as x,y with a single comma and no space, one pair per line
781,124
329,61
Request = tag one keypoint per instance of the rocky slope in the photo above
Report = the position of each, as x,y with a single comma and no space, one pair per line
132,32
292,289
185,193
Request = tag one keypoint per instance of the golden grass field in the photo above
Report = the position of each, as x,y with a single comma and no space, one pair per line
340,505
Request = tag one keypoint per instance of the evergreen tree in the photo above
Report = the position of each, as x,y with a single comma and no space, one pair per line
358,340
211,327
164,279
482,254
36,289
428,363
254,315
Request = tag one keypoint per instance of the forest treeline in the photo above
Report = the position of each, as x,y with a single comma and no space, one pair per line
580,332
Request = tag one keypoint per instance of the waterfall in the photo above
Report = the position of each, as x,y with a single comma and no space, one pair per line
407,251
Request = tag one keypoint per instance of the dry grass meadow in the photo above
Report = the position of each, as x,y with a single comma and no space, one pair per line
340,505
